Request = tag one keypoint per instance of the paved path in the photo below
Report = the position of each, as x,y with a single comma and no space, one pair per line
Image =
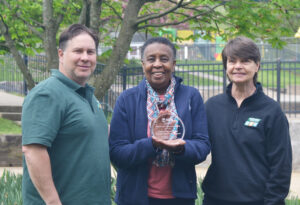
9,99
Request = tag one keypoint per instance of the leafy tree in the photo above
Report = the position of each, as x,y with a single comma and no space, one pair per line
226,18
25,26
40,22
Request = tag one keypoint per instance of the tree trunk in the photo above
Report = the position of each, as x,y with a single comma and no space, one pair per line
83,13
51,28
95,12
18,58
120,49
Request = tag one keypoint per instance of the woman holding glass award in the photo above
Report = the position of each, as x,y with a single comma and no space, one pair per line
158,134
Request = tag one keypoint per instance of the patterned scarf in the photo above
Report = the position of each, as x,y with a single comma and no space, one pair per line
153,104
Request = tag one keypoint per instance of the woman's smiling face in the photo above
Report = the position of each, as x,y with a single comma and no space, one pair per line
241,71
158,65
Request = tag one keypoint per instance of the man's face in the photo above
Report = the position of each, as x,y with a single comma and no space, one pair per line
78,60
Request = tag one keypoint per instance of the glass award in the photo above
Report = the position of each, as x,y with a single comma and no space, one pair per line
168,126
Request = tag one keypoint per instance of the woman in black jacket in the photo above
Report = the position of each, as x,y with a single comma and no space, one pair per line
249,133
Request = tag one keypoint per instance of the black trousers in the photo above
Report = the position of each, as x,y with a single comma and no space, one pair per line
213,201
176,201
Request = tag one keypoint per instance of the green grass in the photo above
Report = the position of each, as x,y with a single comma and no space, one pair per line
269,78
292,201
10,75
9,127
191,79
194,80
9,70
195,61
266,75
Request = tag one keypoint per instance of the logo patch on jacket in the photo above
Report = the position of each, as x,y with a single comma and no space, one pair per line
252,122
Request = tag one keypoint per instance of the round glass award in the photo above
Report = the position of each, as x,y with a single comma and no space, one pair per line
168,126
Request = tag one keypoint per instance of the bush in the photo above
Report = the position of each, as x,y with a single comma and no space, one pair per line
11,190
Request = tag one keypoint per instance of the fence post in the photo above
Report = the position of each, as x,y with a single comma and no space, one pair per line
25,83
278,68
106,104
124,73
224,81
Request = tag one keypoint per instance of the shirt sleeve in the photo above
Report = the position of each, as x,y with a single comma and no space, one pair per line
279,155
126,152
41,117
197,146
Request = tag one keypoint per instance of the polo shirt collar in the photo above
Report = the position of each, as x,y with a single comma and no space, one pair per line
65,80
86,91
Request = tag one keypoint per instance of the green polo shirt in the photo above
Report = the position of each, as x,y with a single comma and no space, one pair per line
65,117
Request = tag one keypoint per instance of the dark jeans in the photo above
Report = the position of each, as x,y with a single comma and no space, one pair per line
213,201
176,201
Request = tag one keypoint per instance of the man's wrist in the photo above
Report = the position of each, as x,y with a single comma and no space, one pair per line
54,201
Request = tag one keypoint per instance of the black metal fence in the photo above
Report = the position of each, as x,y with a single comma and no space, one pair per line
280,79
199,52
203,51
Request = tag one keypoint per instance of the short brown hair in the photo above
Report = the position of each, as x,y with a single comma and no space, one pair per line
243,48
73,31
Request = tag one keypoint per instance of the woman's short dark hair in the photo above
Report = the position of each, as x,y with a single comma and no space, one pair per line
161,40
242,48
73,31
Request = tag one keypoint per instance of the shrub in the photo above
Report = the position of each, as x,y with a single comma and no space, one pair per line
11,190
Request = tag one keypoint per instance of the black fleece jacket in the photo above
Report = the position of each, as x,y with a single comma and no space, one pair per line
251,149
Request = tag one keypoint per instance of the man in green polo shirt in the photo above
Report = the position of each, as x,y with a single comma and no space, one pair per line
65,133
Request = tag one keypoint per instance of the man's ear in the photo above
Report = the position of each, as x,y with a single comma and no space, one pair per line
60,53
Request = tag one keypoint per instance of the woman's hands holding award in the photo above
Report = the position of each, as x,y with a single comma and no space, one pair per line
168,131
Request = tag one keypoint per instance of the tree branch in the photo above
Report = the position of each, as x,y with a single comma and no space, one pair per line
60,16
147,1
31,27
107,19
114,10
202,13
284,10
83,12
10,44
169,24
142,19
3,26
33,20
18,15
